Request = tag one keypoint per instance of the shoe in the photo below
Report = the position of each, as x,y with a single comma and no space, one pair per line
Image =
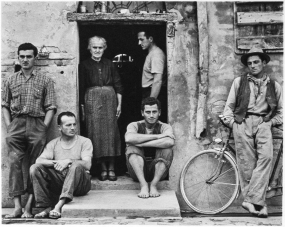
104,177
111,178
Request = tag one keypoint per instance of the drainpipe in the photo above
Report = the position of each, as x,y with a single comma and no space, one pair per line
201,120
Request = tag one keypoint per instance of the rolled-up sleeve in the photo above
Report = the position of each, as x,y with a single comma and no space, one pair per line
49,101
228,118
6,95
278,118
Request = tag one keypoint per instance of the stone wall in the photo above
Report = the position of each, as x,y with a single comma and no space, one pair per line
45,23
41,23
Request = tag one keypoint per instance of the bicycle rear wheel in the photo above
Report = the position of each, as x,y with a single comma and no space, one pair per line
209,197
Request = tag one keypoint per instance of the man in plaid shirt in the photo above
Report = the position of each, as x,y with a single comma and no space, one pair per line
28,106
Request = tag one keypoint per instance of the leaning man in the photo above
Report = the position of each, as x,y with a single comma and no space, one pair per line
253,107
62,170
149,137
28,106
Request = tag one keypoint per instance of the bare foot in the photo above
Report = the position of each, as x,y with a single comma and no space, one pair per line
250,208
44,213
153,191
15,214
27,214
144,193
263,213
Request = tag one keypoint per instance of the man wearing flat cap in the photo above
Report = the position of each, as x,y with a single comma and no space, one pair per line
254,105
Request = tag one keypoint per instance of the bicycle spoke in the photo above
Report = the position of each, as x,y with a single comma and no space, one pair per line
218,194
199,194
215,182
225,172
194,184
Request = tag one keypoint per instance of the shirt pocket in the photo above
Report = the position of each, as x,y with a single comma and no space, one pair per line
37,91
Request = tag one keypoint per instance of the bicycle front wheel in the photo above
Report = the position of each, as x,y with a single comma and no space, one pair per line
206,196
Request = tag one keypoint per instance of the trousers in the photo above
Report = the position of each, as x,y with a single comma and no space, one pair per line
164,155
26,136
49,184
254,148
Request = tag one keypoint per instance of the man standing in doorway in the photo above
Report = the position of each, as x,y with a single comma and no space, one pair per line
149,137
153,75
28,106
253,107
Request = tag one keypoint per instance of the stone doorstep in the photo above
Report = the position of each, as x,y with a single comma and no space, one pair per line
122,203
123,183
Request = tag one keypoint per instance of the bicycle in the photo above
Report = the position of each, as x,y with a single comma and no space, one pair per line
212,189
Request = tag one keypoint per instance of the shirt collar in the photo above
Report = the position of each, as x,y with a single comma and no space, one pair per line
255,80
32,74
102,60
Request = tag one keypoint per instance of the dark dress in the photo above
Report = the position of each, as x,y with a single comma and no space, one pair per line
99,84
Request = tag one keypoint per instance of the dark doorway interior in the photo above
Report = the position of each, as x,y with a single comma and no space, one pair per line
122,39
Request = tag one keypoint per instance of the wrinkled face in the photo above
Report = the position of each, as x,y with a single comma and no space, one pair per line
97,48
144,42
68,126
255,65
26,59
151,114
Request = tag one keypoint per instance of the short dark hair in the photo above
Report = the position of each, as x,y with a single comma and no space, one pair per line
150,101
66,113
147,33
28,46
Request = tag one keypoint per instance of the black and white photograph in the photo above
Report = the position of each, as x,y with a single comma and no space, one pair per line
142,113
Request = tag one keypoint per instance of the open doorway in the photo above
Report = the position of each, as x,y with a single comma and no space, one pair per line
128,56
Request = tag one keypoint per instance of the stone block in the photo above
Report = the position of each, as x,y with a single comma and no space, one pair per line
55,56
7,69
68,62
7,62
58,62
42,62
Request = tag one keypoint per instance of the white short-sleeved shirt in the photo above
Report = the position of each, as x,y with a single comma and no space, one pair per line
82,149
154,63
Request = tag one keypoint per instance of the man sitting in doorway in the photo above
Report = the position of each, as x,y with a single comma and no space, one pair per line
62,169
149,136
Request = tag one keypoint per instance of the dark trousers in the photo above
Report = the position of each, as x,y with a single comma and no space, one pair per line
162,97
49,183
26,136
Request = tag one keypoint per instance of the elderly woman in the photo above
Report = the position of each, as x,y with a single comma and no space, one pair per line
101,101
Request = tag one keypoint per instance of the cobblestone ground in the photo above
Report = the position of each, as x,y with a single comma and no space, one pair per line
240,221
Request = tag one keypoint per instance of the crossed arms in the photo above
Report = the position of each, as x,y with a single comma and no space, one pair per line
164,140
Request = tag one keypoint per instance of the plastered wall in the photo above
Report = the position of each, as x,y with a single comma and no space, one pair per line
44,23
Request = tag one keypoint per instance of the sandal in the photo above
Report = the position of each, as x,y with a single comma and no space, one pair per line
54,214
111,178
103,177
43,214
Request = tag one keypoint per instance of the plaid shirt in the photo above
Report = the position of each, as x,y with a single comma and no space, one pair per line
33,96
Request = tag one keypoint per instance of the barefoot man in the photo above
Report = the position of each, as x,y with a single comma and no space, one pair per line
254,105
149,137
62,170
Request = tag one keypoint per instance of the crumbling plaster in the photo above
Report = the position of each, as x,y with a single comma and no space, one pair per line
44,23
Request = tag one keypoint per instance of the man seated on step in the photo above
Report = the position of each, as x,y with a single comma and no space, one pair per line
62,170
149,137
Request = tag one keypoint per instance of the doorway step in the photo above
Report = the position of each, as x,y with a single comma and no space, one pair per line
122,203
123,183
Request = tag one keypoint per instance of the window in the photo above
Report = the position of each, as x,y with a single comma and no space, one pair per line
258,24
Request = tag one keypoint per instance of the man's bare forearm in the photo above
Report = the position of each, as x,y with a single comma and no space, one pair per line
45,162
48,117
6,115
156,86
165,142
137,138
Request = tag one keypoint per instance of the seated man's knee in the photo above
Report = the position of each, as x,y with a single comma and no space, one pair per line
34,169
135,157
75,166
